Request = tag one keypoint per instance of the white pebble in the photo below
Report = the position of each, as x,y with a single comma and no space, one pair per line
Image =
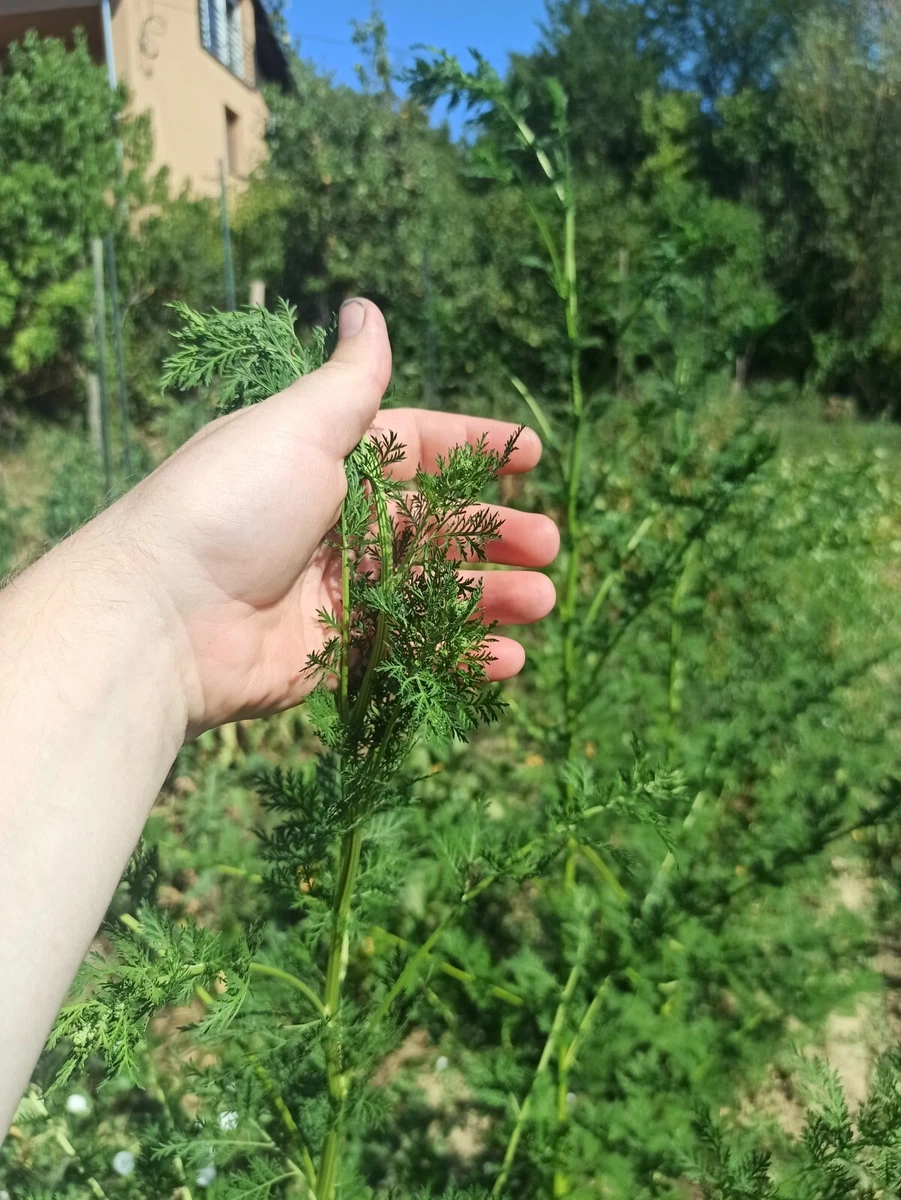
124,1162
77,1105
228,1121
443,1063
205,1176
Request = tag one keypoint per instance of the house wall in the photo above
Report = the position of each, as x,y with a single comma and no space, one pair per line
200,112
189,93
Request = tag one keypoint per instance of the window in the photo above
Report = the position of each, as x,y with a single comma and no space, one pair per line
235,37
232,143
222,33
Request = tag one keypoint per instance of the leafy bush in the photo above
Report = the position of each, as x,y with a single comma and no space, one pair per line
10,516
76,491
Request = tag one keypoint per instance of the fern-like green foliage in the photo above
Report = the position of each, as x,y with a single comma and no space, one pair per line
251,353
839,1156
162,966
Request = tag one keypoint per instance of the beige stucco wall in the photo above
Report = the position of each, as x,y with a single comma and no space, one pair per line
184,87
187,91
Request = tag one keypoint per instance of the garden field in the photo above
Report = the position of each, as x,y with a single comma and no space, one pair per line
630,926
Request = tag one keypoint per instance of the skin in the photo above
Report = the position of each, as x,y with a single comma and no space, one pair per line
190,602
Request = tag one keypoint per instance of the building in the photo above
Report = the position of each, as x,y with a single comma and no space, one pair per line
195,65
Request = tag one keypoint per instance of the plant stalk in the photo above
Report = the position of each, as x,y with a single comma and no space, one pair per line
446,968
573,525
674,692
547,1054
335,970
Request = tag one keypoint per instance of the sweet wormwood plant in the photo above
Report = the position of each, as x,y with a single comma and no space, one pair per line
837,1156
405,656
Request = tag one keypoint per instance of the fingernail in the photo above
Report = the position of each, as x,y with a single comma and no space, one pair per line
351,318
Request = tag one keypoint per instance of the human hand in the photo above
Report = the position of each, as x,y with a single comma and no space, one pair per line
228,533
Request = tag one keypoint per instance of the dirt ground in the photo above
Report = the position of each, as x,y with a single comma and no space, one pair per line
851,1042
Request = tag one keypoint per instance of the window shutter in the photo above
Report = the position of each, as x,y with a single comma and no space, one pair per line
235,40
206,36
220,30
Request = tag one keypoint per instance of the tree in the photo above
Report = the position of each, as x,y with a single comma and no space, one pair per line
724,46
59,172
361,194
606,54
818,157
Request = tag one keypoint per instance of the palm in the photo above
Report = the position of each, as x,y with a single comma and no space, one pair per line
239,516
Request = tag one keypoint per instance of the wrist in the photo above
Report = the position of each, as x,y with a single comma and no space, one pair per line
95,611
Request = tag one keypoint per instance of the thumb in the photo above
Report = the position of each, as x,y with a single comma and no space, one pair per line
345,394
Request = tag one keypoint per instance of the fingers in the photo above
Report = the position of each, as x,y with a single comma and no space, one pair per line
426,434
508,659
511,598
339,402
526,540
514,597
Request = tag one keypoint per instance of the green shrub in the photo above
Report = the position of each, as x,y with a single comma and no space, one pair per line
76,491
10,519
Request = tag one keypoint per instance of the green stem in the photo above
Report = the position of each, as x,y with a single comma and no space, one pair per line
449,969
372,472
547,1054
349,862
585,1024
573,525
674,692
335,970
374,760
537,412
669,860
237,873
287,1119
614,576
337,960
70,1150
411,970
527,134
561,1181
344,680
591,855
258,968
561,1184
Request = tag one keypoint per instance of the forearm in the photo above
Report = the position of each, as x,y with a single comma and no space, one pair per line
92,713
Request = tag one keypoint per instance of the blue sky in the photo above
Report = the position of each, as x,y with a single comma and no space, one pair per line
495,27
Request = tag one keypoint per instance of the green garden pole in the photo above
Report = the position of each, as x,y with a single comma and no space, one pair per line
119,352
230,300
100,343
